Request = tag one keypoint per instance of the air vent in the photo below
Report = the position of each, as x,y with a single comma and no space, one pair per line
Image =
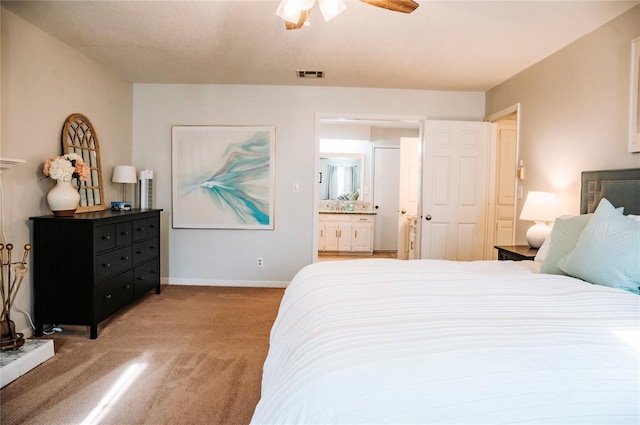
310,74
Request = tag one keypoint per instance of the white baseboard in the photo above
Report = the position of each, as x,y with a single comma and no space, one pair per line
230,283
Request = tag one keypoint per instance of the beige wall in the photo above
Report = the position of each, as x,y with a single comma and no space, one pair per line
574,111
43,82
228,257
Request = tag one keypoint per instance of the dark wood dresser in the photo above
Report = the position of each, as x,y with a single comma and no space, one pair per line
89,266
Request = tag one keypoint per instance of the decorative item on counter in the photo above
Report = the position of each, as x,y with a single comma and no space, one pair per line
64,198
11,276
121,206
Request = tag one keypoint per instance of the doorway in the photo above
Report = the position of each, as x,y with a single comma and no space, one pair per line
346,134
507,173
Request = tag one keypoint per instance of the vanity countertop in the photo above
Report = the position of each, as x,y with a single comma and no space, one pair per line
349,212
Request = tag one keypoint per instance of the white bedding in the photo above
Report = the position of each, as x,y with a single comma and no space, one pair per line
429,341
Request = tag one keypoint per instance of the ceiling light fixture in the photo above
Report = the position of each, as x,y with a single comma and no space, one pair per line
296,12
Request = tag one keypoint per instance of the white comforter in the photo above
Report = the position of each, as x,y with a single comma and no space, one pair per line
428,341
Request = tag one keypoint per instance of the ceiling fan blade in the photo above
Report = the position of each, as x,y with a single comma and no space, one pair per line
304,14
404,6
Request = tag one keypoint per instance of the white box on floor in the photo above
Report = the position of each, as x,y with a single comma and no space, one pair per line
14,364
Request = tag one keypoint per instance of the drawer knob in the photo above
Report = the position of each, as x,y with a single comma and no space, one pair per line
125,258
106,265
107,297
106,238
127,286
140,229
140,252
141,278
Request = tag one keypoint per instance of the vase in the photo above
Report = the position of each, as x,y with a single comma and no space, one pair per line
63,199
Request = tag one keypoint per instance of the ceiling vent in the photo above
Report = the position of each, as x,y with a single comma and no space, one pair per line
310,74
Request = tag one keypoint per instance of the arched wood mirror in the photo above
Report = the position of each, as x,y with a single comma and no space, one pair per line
78,136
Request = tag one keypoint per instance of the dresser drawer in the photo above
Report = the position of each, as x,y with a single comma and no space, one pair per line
146,277
112,263
105,237
113,294
145,250
139,229
123,234
153,226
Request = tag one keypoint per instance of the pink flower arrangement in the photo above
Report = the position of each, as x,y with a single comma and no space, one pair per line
66,167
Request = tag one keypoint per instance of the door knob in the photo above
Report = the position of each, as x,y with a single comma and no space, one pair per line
403,212
376,207
428,217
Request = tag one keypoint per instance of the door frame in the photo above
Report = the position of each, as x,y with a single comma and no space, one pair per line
364,119
493,158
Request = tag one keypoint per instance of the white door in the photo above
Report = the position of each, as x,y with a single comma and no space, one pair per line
386,174
454,196
407,191
505,201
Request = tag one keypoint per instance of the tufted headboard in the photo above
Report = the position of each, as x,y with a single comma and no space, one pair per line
620,187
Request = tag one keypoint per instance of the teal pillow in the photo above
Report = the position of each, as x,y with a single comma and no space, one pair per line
608,251
562,240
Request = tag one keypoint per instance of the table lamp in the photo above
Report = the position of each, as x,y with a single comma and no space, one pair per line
124,174
539,207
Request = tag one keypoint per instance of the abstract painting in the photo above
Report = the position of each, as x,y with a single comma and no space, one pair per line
223,177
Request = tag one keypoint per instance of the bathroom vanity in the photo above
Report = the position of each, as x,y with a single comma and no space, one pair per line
346,231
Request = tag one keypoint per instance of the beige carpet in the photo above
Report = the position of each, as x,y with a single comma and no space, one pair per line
197,356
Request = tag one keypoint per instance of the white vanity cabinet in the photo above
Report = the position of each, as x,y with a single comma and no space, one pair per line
346,232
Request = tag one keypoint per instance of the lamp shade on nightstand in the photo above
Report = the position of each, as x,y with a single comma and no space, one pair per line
540,207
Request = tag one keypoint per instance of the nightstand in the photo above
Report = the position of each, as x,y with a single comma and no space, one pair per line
516,252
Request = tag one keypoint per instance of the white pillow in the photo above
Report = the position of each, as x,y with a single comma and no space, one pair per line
543,250
607,252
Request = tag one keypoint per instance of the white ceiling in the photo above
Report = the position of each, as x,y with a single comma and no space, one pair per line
443,45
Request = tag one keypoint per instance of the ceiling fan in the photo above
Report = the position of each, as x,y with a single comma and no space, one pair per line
296,12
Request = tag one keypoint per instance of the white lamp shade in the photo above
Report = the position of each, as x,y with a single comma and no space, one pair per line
540,206
124,174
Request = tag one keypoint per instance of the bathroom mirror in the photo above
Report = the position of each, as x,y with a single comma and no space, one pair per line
79,136
341,176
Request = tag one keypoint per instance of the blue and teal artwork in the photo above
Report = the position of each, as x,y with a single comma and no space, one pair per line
223,177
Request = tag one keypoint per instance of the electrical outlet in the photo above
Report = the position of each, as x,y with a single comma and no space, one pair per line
260,262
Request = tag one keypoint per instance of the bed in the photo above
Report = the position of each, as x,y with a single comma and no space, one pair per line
384,341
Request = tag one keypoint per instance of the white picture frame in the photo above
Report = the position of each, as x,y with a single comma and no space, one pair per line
634,98
223,177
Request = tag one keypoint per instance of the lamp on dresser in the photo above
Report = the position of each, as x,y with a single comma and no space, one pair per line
540,207
124,174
